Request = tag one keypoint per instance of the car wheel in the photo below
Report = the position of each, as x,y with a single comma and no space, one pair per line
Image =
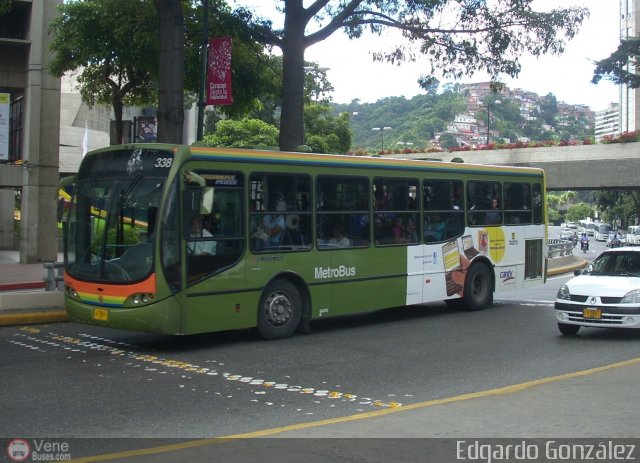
568,330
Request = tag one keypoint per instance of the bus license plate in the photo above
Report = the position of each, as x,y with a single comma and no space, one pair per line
101,314
592,313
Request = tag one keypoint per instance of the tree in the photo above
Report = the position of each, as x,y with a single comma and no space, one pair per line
247,133
5,6
458,37
171,70
149,52
326,133
113,45
621,65
448,141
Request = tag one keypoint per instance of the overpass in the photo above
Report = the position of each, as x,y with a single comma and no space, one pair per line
613,166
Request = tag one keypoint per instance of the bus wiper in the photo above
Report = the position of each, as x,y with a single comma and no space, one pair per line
125,194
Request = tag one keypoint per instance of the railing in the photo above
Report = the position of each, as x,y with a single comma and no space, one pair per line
559,248
54,279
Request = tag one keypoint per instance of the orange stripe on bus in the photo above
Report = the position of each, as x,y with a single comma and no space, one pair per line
125,290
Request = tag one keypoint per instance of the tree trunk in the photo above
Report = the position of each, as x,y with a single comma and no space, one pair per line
293,47
171,78
116,103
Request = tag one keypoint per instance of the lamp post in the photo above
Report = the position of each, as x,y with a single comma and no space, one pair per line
203,69
489,104
381,130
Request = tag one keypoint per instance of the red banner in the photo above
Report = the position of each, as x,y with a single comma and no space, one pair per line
219,72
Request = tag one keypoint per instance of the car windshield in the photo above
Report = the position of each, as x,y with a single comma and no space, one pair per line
615,264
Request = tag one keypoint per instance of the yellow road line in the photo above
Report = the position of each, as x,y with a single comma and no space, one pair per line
360,416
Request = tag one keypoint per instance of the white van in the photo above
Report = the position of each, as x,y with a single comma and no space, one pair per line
601,233
633,235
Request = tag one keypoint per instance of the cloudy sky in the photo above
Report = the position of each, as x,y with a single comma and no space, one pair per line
354,74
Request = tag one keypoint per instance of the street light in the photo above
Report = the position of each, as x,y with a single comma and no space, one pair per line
495,103
381,130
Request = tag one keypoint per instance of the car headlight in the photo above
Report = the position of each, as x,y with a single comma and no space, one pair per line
563,293
632,297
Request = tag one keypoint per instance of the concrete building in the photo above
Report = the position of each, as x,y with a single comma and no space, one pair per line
629,98
607,122
30,148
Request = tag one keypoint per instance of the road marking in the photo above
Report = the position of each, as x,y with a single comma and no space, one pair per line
160,365
512,389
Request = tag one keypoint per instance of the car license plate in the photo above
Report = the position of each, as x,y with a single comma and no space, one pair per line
101,314
592,313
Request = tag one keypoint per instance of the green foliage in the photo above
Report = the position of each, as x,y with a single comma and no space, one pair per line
621,65
246,133
417,120
457,37
113,44
5,6
622,205
448,141
326,133
578,212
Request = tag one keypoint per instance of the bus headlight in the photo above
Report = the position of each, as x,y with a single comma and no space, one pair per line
141,299
72,292
563,293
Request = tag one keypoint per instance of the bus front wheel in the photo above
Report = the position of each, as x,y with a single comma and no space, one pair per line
280,310
478,288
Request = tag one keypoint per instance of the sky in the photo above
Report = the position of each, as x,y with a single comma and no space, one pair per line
354,75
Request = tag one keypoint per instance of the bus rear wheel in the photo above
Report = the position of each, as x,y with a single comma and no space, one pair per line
280,310
478,287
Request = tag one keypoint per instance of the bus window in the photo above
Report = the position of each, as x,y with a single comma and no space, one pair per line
443,210
538,203
396,211
484,203
517,203
343,212
280,217
214,240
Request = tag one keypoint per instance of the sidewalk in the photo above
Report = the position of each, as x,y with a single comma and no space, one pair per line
23,299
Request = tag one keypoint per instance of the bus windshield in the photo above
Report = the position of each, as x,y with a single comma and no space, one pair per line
112,219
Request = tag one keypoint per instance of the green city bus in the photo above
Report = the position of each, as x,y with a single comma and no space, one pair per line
182,240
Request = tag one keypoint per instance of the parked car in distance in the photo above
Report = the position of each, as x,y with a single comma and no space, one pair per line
566,233
606,294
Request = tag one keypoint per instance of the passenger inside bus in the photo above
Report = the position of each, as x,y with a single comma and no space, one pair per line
200,247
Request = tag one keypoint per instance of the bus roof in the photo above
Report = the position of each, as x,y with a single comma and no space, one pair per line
334,160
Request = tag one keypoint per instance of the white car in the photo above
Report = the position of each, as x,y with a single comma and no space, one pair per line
606,294
566,233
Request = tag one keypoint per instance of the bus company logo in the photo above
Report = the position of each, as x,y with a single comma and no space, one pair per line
18,450
342,271
507,277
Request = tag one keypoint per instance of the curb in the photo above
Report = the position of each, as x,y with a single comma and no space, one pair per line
32,318
576,264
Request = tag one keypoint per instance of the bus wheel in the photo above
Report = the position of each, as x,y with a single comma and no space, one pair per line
280,310
478,292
